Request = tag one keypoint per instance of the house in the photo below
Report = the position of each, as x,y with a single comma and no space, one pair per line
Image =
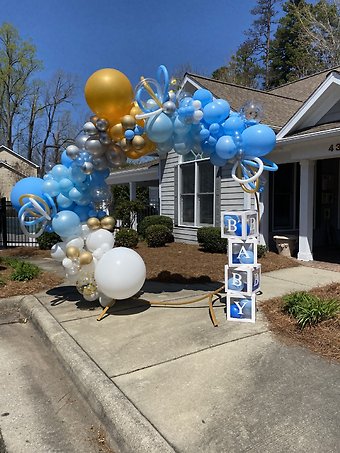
13,167
301,198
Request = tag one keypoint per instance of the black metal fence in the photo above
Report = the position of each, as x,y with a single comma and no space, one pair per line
10,231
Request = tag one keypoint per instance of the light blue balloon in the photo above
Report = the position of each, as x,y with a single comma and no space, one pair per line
258,140
182,148
181,128
233,124
204,96
214,113
29,185
65,185
74,194
247,260
59,172
66,223
233,287
225,147
65,160
224,106
207,148
159,128
63,201
204,134
165,147
51,187
217,160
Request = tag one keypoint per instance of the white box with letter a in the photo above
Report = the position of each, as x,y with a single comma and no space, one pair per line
242,252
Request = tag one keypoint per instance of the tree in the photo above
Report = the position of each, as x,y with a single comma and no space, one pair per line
17,64
292,52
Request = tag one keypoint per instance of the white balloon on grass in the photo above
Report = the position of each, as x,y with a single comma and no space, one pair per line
98,238
58,251
120,273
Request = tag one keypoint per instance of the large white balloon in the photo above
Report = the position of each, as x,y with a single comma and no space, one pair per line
120,273
98,238
58,251
75,241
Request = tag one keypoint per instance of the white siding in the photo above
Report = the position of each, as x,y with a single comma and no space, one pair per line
232,195
167,188
186,234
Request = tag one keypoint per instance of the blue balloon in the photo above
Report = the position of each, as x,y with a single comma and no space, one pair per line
51,187
83,212
258,140
234,311
63,201
217,160
212,141
214,113
233,287
65,185
181,128
224,106
204,96
66,223
59,172
65,160
129,134
247,259
75,194
183,147
225,147
29,185
204,134
233,124
159,128
207,148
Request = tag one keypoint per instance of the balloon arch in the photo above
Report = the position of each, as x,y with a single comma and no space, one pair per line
72,198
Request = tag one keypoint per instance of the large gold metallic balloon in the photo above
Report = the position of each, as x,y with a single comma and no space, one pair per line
72,252
117,132
128,122
108,223
93,223
85,258
109,94
136,111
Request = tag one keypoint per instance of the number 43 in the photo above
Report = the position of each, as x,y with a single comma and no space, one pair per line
334,147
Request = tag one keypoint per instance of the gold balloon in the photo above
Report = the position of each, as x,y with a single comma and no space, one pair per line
133,154
136,111
128,122
124,144
108,223
117,132
72,252
138,142
93,223
85,258
109,94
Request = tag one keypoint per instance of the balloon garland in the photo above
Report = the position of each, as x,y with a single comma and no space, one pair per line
72,198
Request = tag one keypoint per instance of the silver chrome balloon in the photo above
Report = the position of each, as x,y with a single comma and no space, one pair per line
104,138
102,124
115,156
89,128
87,168
81,140
100,163
169,107
72,151
94,147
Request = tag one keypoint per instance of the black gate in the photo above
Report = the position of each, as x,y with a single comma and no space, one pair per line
10,231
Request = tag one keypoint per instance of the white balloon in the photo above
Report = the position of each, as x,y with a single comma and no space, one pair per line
67,263
105,300
97,238
106,247
58,251
120,273
85,230
76,241
98,254
91,297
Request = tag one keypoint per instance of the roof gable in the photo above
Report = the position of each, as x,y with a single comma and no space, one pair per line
321,107
29,162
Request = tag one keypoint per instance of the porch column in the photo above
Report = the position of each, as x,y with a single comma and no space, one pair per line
264,217
306,210
132,186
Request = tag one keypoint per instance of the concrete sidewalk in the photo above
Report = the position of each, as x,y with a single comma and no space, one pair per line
164,379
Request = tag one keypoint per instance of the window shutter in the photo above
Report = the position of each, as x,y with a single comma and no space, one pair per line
176,194
218,198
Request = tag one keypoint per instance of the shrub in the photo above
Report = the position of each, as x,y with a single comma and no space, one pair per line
126,237
309,309
127,211
24,271
209,238
154,220
47,240
261,251
157,235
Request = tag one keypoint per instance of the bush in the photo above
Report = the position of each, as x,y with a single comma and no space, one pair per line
209,238
158,235
24,271
127,211
126,237
309,309
261,251
47,240
154,220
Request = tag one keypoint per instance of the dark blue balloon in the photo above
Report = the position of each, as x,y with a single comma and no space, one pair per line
217,161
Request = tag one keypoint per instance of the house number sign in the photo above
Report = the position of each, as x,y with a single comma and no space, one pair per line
334,147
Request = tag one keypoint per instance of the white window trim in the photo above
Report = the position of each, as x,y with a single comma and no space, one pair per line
196,208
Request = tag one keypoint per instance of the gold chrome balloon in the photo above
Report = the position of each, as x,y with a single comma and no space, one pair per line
72,252
137,111
108,223
85,258
124,144
109,94
117,132
93,223
138,142
128,122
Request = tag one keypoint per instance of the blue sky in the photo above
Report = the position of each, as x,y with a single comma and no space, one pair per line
133,36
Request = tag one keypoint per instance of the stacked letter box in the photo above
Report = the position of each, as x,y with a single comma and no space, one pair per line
242,274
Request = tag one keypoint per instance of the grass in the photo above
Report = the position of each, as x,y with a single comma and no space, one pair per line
309,309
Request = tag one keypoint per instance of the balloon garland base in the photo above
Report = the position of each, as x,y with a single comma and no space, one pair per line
210,296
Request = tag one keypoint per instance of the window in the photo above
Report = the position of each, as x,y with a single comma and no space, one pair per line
196,192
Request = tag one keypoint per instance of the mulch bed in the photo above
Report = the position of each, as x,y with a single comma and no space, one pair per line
323,339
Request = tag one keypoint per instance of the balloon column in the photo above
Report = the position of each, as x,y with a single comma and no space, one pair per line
72,198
